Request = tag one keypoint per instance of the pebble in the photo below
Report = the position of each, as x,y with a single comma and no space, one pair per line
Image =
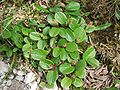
5,88
21,73
19,78
9,82
11,76
14,71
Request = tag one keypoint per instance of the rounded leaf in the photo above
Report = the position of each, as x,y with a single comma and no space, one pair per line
89,53
93,62
73,6
71,47
35,36
62,42
77,82
63,54
52,76
56,51
81,73
26,47
41,44
66,68
66,82
37,54
54,31
46,63
70,35
74,55
60,17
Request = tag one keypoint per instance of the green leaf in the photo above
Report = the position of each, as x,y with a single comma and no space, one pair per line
71,47
80,34
81,64
93,62
37,54
70,35
34,36
66,68
51,20
81,73
103,26
25,31
46,30
74,55
73,24
52,76
62,42
26,47
46,63
90,29
52,42
73,6
56,51
66,82
6,34
89,53
63,54
41,44
77,82
117,14
54,31
9,52
60,17
62,33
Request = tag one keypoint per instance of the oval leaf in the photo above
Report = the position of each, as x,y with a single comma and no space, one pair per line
41,44
66,68
70,35
66,82
73,6
89,53
93,62
63,54
38,54
52,76
56,51
54,32
74,55
35,36
77,82
71,47
81,73
60,17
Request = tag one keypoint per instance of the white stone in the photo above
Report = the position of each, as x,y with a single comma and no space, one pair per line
19,78
9,82
21,73
3,67
33,85
30,77
4,81
11,76
14,71
5,88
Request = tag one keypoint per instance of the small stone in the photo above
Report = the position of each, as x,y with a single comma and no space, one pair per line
4,81
1,89
9,82
11,76
14,71
21,73
19,78
5,88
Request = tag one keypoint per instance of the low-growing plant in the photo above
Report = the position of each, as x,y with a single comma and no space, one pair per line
55,48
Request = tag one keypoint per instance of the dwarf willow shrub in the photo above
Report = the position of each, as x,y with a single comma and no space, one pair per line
55,49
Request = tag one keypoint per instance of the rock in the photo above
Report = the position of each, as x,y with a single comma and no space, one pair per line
9,82
5,88
3,68
14,71
11,76
1,89
33,85
4,81
30,77
19,78
21,73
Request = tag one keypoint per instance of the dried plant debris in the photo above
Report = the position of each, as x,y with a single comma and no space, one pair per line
98,79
